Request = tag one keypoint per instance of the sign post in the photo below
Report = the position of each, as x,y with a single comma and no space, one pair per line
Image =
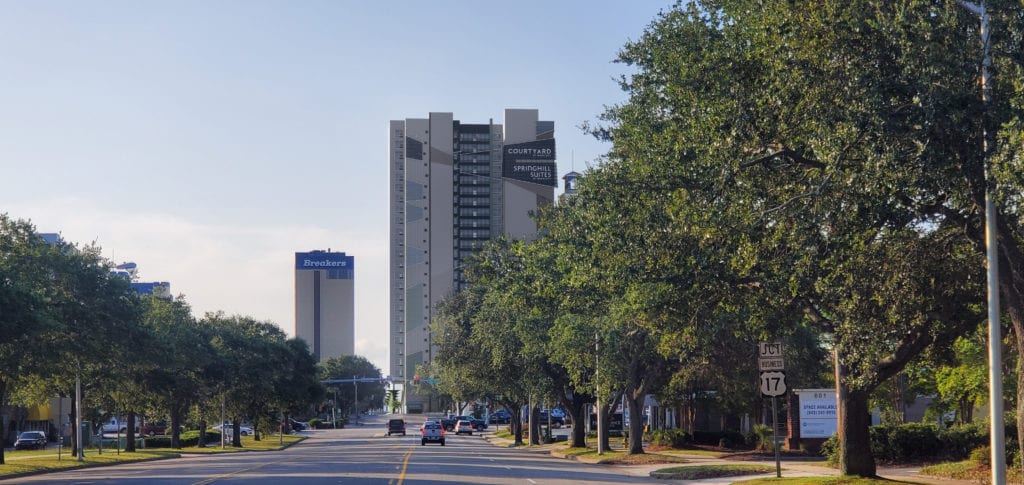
773,384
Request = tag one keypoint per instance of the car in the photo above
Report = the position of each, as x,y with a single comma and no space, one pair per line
478,424
556,422
114,425
298,425
463,426
431,432
153,429
30,440
396,426
500,416
242,430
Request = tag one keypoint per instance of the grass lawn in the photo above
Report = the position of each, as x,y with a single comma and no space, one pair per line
46,460
969,470
32,461
619,457
698,472
840,480
694,452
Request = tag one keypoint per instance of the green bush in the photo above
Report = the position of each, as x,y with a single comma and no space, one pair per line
726,439
675,438
761,437
315,423
830,449
186,439
921,442
958,442
982,455
913,441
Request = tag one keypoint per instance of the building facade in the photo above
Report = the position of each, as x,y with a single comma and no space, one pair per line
454,186
325,303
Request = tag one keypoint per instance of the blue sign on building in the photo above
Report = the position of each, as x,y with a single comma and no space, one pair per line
338,265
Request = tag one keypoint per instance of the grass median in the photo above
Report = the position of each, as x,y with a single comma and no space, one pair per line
39,461
19,462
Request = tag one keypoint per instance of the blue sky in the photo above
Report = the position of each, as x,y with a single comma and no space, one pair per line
210,140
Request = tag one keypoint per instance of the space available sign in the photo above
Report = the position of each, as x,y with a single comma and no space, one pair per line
817,412
323,261
533,161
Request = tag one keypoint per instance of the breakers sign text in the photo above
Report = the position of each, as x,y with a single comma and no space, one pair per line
323,260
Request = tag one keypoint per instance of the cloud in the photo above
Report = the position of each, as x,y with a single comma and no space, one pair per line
239,269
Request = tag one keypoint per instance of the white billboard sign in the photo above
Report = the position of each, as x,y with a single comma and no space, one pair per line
817,412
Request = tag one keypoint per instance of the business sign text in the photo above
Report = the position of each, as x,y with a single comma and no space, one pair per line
533,162
817,412
323,261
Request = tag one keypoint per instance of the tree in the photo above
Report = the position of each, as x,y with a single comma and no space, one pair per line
826,157
352,367
25,322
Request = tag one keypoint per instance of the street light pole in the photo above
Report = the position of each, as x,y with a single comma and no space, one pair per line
995,359
597,397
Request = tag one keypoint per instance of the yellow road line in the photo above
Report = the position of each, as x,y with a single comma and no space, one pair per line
404,465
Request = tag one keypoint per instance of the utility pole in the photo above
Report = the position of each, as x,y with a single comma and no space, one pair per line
995,358
597,398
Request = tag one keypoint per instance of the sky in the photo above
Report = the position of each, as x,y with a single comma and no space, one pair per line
208,141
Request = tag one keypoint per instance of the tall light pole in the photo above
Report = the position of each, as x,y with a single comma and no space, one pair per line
597,397
995,359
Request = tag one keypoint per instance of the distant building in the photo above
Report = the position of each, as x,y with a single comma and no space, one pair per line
325,303
454,186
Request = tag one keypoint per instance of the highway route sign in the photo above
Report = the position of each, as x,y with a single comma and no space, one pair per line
769,356
773,383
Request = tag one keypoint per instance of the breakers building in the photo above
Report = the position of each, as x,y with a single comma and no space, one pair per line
324,303
453,187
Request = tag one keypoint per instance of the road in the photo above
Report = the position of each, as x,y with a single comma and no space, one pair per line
357,455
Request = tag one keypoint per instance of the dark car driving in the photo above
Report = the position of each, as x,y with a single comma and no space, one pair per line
396,426
30,440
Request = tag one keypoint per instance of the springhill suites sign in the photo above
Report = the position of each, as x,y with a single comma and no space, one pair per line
533,161
323,261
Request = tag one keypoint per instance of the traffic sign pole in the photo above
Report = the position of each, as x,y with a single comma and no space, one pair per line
775,438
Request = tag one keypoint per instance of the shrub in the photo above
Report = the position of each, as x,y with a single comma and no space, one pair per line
726,439
315,423
830,449
186,439
761,437
982,455
913,441
675,438
958,442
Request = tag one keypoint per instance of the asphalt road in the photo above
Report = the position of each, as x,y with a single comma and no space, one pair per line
357,455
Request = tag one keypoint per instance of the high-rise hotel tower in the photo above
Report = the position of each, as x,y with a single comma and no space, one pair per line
325,302
454,186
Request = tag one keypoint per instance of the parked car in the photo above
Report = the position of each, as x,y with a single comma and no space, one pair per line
114,425
431,432
463,426
153,429
30,440
242,430
396,426
556,422
478,424
500,416
297,425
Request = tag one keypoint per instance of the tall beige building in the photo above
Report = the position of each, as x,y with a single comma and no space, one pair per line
325,303
453,187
